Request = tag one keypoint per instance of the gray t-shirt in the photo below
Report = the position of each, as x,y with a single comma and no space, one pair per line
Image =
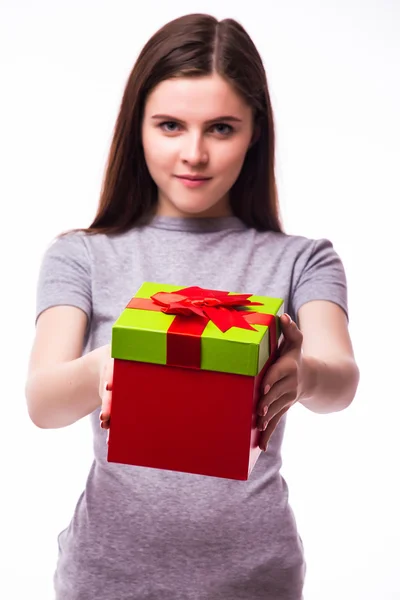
148,534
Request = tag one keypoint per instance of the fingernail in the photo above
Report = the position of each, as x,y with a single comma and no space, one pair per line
265,447
266,389
108,388
101,416
289,317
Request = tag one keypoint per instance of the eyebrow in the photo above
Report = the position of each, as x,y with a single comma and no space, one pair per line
217,120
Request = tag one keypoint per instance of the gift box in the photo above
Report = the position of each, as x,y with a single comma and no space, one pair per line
188,364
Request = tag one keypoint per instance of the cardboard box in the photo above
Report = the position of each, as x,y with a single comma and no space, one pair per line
187,372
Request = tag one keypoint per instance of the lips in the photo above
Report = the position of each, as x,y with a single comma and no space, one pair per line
193,177
193,181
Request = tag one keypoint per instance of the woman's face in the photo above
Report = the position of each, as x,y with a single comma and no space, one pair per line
195,133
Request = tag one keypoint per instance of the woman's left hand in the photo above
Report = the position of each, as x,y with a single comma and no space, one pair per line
281,383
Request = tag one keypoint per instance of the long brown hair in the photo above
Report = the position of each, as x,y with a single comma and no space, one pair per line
190,46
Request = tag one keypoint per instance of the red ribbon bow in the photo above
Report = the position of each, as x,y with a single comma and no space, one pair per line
215,306
194,307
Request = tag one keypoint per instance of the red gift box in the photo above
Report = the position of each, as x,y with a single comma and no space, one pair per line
175,406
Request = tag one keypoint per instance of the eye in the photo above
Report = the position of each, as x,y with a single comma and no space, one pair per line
169,126
223,129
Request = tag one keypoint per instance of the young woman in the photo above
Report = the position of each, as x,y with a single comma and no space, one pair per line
189,198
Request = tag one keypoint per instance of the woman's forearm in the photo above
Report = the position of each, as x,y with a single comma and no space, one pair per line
327,386
60,394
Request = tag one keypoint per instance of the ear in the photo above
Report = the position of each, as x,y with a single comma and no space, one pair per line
255,136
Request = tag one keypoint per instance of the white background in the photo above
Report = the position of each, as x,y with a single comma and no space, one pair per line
333,69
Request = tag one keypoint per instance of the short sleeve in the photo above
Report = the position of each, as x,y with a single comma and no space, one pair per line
321,276
65,275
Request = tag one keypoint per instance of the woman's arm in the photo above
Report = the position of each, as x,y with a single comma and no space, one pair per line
316,367
62,385
329,376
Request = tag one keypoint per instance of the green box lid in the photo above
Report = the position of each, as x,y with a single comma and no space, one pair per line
141,335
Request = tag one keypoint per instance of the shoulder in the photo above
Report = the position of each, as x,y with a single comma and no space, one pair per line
88,246
69,240
297,250
291,242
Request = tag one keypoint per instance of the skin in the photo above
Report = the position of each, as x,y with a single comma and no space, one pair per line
315,366
193,138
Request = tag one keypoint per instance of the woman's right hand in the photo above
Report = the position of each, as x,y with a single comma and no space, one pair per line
105,386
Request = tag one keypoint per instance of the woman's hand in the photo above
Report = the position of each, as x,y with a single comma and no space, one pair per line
105,386
281,382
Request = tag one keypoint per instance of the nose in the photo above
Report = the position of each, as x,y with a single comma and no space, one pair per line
194,151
